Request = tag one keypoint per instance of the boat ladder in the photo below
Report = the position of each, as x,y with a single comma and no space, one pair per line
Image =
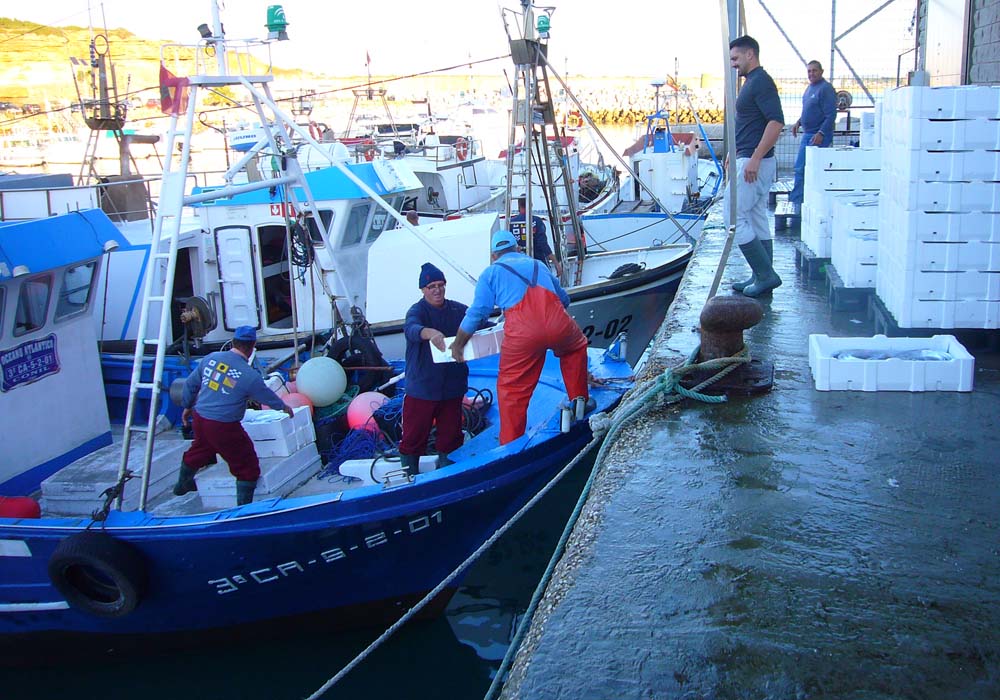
154,331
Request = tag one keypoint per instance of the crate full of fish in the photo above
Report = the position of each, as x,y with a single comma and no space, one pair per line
880,363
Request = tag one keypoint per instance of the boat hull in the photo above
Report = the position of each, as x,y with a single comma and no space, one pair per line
337,555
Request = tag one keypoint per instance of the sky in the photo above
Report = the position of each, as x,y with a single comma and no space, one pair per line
589,37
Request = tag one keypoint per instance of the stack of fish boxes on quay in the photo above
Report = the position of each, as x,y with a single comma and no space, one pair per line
939,232
834,175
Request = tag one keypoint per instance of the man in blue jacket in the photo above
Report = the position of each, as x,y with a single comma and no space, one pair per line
536,320
819,111
540,248
434,391
215,399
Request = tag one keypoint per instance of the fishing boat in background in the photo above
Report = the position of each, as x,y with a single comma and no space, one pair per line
108,555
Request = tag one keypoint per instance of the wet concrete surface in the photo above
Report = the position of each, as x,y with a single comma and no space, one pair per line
801,544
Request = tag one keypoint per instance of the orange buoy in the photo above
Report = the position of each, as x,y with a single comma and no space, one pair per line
19,507
462,149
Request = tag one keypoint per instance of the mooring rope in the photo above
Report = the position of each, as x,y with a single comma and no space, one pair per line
663,390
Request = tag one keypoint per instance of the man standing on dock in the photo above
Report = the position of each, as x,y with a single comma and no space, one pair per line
534,306
759,121
819,110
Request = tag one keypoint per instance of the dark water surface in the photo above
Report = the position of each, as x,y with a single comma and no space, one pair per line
452,656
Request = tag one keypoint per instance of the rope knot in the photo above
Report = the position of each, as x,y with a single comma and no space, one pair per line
600,424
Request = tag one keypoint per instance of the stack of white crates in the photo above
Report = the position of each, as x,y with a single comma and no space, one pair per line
831,173
854,240
939,233
288,457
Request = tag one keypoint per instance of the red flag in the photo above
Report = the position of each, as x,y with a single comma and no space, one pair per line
368,59
173,92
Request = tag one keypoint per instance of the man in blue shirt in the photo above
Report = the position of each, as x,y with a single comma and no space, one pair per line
434,391
215,398
819,110
759,121
536,320
539,243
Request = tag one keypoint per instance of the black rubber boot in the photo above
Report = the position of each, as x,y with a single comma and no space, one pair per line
765,278
244,492
185,481
410,464
443,460
769,248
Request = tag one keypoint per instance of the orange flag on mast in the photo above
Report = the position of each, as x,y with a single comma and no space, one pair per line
173,92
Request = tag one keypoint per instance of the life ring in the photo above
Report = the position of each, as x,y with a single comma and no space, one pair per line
462,148
359,351
98,574
314,131
370,153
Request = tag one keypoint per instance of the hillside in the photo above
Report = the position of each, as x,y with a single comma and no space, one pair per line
37,63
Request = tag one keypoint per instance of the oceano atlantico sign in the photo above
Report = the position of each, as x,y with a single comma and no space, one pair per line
29,362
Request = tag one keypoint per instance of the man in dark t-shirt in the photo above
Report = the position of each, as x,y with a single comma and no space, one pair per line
759,121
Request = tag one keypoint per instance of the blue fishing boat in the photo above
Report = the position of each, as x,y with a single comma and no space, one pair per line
357,549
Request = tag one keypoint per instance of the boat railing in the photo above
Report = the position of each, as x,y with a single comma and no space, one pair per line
219,57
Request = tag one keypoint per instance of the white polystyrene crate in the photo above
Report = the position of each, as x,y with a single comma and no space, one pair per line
848,247
364,469
831,373
946,315
965,102
842,158
483,343
943,135
879,110
866,137
942,166
944,196
938,257
846,180
941,286
817,238
855,214
217,487
942,227
275,434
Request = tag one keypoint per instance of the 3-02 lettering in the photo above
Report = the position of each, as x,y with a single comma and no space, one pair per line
277,572
610,331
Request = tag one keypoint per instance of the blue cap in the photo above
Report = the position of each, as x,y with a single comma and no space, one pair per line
429,273
502,240
248,333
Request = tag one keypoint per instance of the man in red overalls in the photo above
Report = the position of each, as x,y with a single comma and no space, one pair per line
534,306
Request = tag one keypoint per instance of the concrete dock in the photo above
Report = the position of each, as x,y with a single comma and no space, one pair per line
801,544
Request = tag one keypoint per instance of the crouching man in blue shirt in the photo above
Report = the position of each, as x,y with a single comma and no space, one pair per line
215,398
434,391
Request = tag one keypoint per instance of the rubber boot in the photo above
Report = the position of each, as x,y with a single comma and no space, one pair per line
443,460
765,278
244,492
410,464
769,247
185,481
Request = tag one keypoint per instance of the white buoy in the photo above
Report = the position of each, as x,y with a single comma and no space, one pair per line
322,379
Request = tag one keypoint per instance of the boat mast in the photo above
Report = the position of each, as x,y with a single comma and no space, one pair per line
535,115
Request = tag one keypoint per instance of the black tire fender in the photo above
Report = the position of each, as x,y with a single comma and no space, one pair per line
98,574
358,351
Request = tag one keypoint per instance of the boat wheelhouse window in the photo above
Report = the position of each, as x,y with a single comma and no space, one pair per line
274,274
469,176
326,216
74,297
354,231
32,305
380,221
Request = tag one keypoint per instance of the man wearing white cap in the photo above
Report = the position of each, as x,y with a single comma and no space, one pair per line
534,306
215,399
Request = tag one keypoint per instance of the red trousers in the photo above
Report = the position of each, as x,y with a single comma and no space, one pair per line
535,324
418,417
228,440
